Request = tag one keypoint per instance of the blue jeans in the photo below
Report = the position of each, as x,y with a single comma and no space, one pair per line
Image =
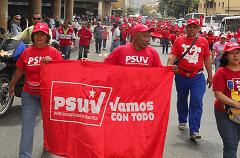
196,86
229,132
114,45
30,107
66,50
216,63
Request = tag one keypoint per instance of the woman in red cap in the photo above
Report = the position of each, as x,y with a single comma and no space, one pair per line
218,49
29,64
226,87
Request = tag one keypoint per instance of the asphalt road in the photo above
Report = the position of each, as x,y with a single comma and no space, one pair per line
177,143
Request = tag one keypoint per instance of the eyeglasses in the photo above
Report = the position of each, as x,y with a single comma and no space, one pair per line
36,18
234,53
17,19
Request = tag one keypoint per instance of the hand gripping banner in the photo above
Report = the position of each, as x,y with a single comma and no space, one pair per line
94,110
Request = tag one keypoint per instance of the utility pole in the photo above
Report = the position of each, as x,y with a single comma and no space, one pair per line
228,6
206,6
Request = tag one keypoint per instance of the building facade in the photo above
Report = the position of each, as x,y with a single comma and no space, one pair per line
211,7
60,8
119,7
80,7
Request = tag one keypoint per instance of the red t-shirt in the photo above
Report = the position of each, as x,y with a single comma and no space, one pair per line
229,36
29,62
147,23
127,55
166,33
112,17
210,39
226,81
85,36
124,35
238,34
193,60
173,37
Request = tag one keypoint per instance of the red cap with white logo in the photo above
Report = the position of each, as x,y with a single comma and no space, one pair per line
193,21
41,27
231,46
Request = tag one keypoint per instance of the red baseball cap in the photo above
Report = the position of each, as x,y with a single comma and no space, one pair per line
141,28
193,21
124,25
41,27
231,46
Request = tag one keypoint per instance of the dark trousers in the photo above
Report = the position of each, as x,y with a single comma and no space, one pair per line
83,51
66,50
210,46
104,43
230,134
98,44
165,43
75,31
123,42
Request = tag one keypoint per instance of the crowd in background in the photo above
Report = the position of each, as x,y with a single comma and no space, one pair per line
120,28
123,30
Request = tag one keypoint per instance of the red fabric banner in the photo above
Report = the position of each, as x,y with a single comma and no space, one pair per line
96,110
156,34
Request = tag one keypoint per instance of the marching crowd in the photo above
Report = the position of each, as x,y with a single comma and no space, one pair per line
192,50
67,31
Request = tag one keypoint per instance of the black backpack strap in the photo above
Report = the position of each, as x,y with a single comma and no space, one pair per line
177,60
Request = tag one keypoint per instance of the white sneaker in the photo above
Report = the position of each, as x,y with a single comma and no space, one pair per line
182,126
195,136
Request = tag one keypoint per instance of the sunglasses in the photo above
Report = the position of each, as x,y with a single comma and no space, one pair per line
17,19
37,18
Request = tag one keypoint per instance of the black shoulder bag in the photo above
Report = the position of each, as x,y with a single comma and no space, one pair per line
177,60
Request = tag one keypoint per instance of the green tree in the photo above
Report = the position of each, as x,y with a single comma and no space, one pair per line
131,11
144,9
148,10
177,8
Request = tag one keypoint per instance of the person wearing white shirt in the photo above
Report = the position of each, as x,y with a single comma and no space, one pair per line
75,25
115,37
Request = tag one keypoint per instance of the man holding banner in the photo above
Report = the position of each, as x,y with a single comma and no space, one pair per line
110,111
138,53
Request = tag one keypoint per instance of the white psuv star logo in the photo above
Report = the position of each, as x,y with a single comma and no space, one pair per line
92,93
79,102
193,54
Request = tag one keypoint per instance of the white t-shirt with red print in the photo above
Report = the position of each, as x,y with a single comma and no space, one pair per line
127,55
29,62
193,60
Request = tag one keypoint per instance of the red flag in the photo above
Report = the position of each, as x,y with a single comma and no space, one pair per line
156,34
201,20
95,110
